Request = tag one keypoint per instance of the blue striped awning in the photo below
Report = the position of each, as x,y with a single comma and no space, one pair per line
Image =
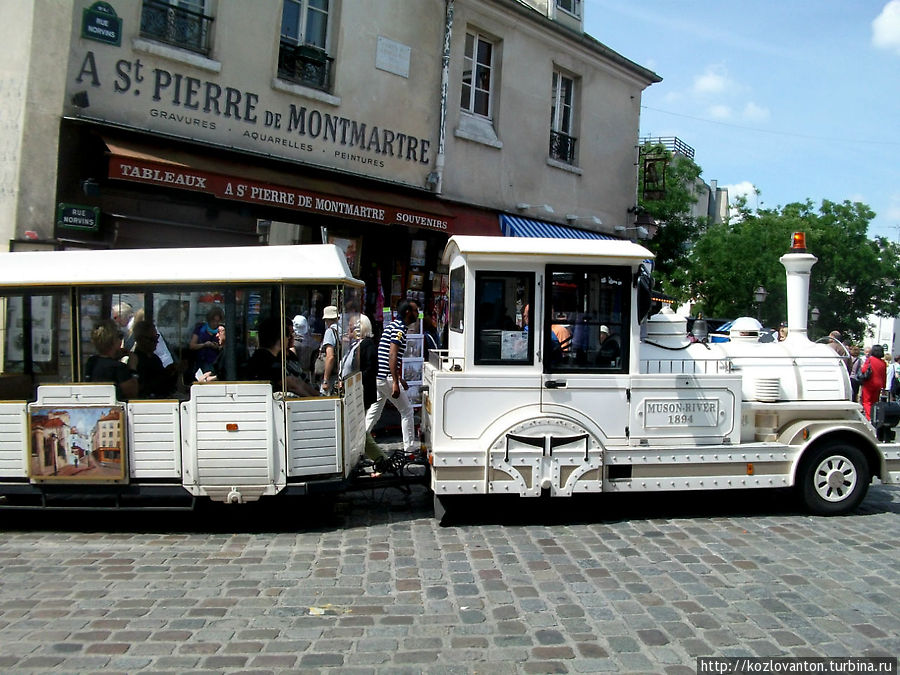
513,226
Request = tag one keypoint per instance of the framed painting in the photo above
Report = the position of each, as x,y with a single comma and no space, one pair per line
77,443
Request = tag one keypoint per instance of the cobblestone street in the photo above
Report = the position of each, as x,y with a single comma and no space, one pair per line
371,583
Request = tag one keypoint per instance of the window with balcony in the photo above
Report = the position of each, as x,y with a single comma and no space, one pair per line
303,52
572,7
180,23
478,75
562,140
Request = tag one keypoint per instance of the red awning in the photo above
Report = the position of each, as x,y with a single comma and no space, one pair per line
184,170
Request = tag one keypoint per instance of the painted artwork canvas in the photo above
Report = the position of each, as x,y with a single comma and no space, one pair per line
77,443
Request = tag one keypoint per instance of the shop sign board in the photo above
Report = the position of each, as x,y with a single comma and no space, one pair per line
268,194
77,217
99,22
145,92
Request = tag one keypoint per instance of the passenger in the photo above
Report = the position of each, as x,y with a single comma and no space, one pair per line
106,366
153,379
217,367
123,314
204,340
292,360
162,347
610,349
265,364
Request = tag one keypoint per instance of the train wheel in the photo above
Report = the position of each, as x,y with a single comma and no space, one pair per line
834,479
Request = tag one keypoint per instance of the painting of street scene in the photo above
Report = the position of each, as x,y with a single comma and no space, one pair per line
77,443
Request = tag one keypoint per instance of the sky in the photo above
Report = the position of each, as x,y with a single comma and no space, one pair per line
795,99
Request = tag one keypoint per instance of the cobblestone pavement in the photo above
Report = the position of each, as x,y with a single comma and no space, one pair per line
371,583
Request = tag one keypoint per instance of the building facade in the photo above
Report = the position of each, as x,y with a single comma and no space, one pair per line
224,122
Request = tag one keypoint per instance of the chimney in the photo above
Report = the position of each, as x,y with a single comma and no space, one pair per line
797,264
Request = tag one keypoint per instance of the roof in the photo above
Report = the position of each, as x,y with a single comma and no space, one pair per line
317,263
603,251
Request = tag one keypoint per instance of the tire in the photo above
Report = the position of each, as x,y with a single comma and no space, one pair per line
834,479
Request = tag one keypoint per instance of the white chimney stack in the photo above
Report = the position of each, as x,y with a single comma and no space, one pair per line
797,265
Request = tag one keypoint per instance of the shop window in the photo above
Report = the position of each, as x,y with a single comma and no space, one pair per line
181,23
586,325
562,140
303,53
502,305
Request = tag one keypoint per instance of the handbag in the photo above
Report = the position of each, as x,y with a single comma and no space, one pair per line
319,365
864,373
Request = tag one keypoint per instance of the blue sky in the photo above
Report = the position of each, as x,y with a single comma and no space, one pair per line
800,99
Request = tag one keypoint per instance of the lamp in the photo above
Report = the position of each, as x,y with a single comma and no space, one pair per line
814,314
642,232
571,217
522,206
759,297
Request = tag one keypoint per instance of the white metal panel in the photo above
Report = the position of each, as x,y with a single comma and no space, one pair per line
13,440
320,263
82,394
229,441
472,402
314,445
685,409
354,422
154,439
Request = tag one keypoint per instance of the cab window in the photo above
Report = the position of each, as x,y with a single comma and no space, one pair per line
587,319
502,306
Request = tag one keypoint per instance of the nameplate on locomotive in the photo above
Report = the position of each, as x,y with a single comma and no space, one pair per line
694,412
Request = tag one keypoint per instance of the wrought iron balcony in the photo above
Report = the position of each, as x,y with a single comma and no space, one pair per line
304,64
562,147
176,26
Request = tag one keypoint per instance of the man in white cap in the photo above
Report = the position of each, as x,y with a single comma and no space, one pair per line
329,348
609,348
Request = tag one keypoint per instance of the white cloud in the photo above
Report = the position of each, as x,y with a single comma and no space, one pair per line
755,113
743,189
720,112
886,27
714,80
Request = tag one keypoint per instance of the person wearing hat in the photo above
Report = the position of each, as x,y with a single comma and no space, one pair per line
609,348
329,348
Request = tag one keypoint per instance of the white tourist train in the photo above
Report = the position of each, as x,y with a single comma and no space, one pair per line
600,398
554,381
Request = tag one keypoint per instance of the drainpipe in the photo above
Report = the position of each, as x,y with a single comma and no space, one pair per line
436,178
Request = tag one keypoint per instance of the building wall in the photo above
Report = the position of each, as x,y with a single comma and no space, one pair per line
512,166
35,42
386,80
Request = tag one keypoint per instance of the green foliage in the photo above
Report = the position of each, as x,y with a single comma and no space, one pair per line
852,279
678,230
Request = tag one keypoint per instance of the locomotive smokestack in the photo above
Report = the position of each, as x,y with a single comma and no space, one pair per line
797,264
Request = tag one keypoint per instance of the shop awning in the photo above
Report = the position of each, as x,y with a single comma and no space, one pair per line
514,226
233,180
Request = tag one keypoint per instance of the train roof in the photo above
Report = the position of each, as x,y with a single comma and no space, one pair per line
316,263
600,250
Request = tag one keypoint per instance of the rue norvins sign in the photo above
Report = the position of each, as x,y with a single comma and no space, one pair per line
255,192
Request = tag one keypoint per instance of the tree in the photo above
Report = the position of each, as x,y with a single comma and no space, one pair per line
853,278
666,184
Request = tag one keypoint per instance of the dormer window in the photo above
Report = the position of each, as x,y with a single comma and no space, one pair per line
572,7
